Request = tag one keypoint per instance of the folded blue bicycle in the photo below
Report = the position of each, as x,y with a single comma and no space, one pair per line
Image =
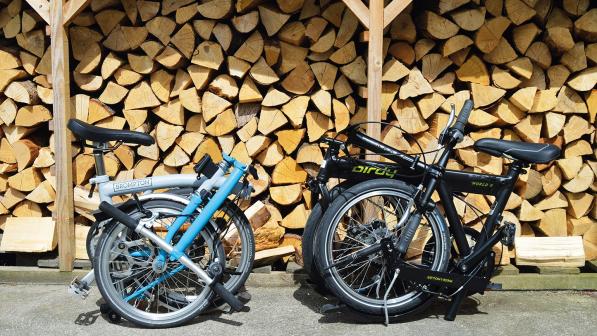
160,263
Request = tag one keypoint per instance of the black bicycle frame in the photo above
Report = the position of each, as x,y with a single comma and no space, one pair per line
447,182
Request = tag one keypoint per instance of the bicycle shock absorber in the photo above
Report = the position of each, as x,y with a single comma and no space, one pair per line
409,232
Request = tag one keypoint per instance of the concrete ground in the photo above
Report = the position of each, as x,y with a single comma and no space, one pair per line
49,310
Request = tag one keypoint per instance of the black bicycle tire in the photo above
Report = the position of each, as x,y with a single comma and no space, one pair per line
309,238
248,242
327,220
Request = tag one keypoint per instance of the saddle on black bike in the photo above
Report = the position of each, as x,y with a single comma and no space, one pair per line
85,131
517,150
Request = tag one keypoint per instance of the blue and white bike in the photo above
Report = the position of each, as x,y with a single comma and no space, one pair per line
158,278
161,264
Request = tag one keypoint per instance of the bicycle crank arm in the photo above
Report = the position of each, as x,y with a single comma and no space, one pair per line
483,250
356,256
132,224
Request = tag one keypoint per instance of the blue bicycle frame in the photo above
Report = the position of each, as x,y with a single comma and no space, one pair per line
210,209
200,222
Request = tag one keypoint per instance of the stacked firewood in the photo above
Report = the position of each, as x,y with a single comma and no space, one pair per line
26,155
264,80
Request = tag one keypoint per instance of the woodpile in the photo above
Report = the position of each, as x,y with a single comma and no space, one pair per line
27,185
264,80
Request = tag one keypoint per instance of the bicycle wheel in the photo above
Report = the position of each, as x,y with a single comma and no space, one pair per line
361,216
309,238
234,229
236,234
123,269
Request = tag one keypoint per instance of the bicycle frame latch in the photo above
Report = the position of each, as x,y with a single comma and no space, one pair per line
95,181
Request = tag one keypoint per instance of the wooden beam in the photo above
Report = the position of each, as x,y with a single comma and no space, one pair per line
374,67
42,7
64,209
360,11
393,9
72,8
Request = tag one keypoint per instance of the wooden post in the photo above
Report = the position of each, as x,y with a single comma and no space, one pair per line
374,66
375,19
359,10
393,9
64,211
42,7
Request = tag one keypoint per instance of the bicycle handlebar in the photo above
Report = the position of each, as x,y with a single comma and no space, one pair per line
119,215
463,116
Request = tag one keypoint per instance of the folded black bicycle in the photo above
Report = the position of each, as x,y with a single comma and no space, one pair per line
382,245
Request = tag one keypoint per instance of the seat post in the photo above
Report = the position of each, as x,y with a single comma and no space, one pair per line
501,199
98,154
516,168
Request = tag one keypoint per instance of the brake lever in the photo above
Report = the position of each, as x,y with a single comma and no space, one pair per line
449,123
344,150
253,172
415,162
91,190
452,115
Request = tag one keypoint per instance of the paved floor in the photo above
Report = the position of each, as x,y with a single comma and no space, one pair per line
49,310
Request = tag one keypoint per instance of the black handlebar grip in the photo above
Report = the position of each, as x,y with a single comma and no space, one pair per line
462,119
228,297
117,214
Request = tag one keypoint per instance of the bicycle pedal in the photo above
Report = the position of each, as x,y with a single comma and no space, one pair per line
331,307
112,316
508,234
494,286
244,296
79,288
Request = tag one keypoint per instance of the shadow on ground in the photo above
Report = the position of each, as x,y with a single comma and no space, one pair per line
315,299
216,314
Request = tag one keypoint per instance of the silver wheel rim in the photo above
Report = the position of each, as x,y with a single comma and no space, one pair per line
163,298
347,289
231,282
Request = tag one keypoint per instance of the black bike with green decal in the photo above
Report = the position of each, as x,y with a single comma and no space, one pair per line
383,247
351,170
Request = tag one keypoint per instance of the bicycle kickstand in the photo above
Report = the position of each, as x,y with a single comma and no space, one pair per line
455,305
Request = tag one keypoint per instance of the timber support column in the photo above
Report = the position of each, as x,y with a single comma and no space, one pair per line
64,207
374,67
375,18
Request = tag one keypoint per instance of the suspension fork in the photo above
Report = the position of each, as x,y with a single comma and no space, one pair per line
424,202
318,185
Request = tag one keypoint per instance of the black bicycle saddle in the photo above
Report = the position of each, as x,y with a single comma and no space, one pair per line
85,131
523,151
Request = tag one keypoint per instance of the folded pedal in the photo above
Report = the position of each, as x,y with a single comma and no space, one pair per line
508,234
79,288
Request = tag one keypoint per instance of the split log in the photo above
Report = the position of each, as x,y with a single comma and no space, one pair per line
437,26
550,251
286,195
32,115
23,92
297,218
